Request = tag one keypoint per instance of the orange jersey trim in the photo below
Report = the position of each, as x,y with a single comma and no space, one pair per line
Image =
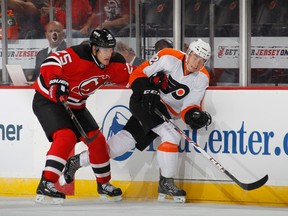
170,109
171,51
138,72
205,71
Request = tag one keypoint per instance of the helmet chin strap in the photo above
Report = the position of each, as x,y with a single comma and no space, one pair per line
97,62
94,56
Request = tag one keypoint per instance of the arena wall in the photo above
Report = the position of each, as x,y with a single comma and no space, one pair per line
248,136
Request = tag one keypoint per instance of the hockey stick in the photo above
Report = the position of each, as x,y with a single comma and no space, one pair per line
77,123
249,186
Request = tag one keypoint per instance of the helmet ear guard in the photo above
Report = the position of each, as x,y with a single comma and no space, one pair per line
200,48
102,38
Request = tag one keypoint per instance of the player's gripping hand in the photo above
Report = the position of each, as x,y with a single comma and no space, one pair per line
57,88
159,80
196,118
150,99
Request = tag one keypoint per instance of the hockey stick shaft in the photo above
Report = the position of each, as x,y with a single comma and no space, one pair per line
249,186
77,123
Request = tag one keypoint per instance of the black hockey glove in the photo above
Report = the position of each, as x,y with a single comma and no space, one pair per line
57,88
159,80
150,99
196,118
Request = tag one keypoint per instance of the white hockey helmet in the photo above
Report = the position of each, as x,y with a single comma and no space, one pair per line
200,48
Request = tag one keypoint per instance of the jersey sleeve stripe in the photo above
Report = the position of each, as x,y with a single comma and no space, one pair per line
50,64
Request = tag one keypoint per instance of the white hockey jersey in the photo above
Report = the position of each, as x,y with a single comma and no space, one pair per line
185,90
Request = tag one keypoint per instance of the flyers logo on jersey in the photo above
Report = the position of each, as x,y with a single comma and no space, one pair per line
89,86
177,89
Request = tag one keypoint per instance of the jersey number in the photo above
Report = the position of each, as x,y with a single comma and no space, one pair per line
66,58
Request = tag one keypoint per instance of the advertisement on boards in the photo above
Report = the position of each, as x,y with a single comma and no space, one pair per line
244,137
248,136
16,133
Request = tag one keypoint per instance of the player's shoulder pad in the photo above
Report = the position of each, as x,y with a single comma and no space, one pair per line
83,51
172,52
117,57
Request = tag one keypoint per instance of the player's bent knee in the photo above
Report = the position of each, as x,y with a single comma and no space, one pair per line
66,135
120,143
100,140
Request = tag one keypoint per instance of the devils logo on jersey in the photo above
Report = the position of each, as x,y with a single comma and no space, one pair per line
177,89
89,86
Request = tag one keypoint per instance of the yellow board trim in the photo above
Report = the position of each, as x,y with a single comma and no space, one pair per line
196,192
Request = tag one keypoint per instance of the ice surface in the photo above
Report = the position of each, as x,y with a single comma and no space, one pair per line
11,206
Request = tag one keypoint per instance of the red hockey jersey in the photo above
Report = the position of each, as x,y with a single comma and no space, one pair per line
80,69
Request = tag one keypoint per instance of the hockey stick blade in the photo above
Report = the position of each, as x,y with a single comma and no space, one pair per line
77,123
249,186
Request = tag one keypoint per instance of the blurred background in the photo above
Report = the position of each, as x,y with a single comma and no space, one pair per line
248,37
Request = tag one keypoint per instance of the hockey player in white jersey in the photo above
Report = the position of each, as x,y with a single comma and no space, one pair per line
174,82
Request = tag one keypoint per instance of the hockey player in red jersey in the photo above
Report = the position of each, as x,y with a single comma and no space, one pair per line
74,74
174,82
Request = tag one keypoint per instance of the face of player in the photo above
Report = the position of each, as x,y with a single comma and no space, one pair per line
54,34
104,55
194,62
